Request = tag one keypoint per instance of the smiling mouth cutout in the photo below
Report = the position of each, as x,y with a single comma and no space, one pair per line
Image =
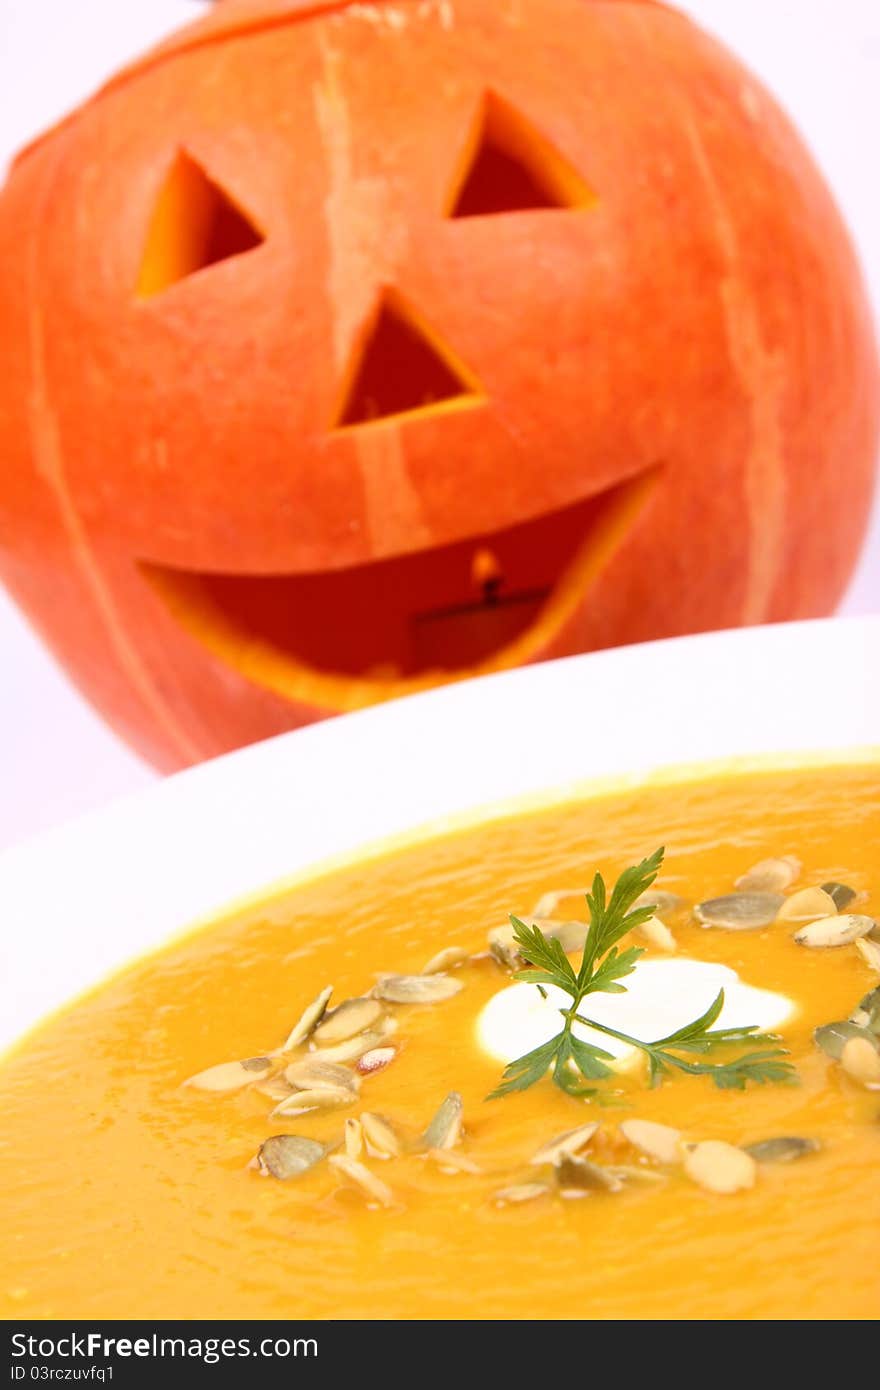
346,638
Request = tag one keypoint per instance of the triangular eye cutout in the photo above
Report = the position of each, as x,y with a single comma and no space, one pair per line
401,367
195,224
510,167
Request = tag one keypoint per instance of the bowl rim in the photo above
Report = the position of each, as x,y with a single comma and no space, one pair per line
80,902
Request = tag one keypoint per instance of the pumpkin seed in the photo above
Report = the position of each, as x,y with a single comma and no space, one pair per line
360,1175
869,951
349,1019
579,1174
568,1143
444,1131
444,960
548,902
377,1059
860,1059
352,1048
840,893
784,1149
417,989
453,1162
831,1038
657,1141
308,1020
867,1012
354,1137
656,933
570,935
349,1050
660,900
739,911
631,1172
318,1098
288,1155
275,1089
232,1076
807,905
834,931
503,948
519,1192
379,1137
719,1167
313,1072
770,875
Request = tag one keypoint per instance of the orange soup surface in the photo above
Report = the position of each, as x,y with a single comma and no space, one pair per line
128,1193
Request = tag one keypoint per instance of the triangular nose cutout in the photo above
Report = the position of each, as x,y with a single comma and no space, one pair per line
402,368
510,167
195,224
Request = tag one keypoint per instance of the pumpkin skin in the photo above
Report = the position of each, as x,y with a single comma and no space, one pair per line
667,406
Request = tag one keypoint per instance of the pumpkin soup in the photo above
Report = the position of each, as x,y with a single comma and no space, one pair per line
410,1087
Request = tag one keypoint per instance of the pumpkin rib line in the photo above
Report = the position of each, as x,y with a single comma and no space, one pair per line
760,373
48,463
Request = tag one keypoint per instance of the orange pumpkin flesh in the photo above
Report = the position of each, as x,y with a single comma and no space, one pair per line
634,385
194,225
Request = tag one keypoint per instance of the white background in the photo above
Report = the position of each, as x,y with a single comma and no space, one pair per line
821,58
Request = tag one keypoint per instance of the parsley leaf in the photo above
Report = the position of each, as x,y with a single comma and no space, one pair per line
572,1061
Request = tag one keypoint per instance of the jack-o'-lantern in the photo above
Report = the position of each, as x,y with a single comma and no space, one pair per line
351,348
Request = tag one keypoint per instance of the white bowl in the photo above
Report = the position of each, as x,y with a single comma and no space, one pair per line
81,901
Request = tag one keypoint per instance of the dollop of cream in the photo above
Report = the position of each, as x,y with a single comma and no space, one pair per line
661,997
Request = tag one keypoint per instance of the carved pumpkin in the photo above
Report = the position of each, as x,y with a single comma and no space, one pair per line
350,349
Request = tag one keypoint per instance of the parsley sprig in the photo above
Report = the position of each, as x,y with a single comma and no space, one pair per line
572,1061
